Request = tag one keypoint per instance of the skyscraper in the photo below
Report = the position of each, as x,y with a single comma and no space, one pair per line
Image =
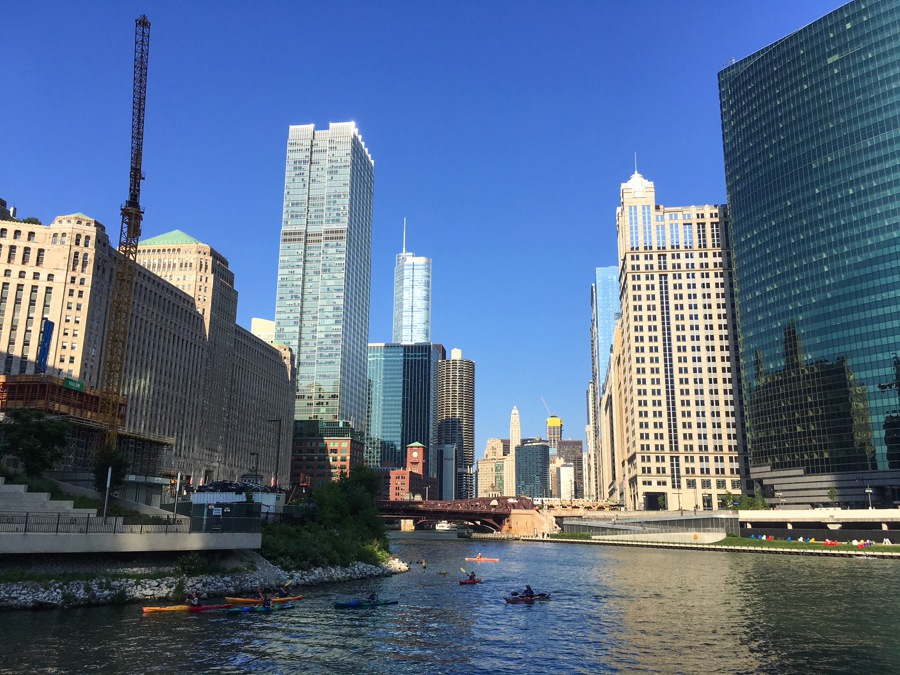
554,432
322,307
811,132
403,382
676,419
456,421
412,296
515,430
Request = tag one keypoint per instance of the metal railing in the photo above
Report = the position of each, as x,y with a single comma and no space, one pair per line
64,523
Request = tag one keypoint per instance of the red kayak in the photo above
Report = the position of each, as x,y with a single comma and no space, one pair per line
469,582
526,599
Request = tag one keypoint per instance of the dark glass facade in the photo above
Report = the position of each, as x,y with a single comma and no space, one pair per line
811,133
401,402
533,469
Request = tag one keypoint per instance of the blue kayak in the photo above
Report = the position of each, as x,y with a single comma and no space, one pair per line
353,604
259,608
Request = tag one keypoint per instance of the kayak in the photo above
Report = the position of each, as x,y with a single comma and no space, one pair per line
363,603
184,608
258,608
257,601
526,599
482,559
469,582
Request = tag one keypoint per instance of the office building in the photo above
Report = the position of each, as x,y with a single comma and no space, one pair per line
324,265
605,312
403,381
572,452
811,133
554,432
201,393
412,296
677,436
533,469
456,421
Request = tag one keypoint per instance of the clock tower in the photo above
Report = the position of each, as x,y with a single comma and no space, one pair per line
415,458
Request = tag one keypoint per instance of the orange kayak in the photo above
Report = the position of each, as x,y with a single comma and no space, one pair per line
184,608
479,559
257,601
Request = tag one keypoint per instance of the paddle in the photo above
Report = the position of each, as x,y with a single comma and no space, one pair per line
463,570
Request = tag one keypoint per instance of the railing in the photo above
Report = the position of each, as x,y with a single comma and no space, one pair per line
63,523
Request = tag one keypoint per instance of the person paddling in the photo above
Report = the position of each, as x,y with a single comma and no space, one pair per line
373,597
528,593
195,600
472,576
267,602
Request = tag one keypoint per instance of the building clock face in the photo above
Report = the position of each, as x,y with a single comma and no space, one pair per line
415,454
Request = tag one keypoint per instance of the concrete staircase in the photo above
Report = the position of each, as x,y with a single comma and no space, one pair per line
15,499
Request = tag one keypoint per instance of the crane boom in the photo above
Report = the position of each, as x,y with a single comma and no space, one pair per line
129,236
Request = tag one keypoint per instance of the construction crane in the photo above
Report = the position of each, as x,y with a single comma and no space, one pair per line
129,236
549,414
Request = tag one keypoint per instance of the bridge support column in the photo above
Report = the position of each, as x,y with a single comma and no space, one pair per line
529,523
407,525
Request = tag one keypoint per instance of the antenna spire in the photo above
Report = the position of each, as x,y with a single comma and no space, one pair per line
635,163
404,234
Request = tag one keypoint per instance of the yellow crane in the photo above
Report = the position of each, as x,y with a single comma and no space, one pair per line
129,236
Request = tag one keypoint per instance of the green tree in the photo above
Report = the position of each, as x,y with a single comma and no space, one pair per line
729,499
107,457
832,494
31,220
36,438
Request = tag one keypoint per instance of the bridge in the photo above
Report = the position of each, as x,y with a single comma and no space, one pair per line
495,513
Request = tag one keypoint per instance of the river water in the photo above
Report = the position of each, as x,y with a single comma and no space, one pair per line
612,610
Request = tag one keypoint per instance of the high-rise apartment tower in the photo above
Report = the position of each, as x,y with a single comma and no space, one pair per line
324,264
412,297
456,421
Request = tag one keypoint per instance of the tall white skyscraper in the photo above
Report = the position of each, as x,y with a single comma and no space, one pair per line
515,430
412,296
324,269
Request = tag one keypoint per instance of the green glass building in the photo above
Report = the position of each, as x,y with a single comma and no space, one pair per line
811,133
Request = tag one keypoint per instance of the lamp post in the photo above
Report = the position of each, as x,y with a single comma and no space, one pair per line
277,449
869,495
255,457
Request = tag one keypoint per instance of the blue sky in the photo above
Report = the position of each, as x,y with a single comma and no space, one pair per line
500,130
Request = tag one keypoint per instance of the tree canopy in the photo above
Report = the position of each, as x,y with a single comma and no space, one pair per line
36,438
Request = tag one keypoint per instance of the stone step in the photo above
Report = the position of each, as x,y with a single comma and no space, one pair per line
11,488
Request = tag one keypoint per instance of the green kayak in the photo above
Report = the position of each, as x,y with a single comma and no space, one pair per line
352,604
259,608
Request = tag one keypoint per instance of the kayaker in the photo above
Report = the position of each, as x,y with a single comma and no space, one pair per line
259,595
283,591
195,600
267,602
528,593
472,576
373,597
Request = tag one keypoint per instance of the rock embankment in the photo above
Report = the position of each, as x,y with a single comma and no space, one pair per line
105,590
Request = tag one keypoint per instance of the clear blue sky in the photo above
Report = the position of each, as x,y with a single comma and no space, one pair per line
501,130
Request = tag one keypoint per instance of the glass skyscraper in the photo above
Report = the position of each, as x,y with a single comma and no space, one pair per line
412,298
402,398
607,311
324,264
811,131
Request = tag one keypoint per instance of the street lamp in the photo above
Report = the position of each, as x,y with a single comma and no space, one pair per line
869,495
277,449
255,465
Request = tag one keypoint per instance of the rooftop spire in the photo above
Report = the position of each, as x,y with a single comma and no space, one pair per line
404,234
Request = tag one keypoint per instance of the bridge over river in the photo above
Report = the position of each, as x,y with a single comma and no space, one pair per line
498,514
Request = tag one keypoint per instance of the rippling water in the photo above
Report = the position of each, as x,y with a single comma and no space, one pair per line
613,610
